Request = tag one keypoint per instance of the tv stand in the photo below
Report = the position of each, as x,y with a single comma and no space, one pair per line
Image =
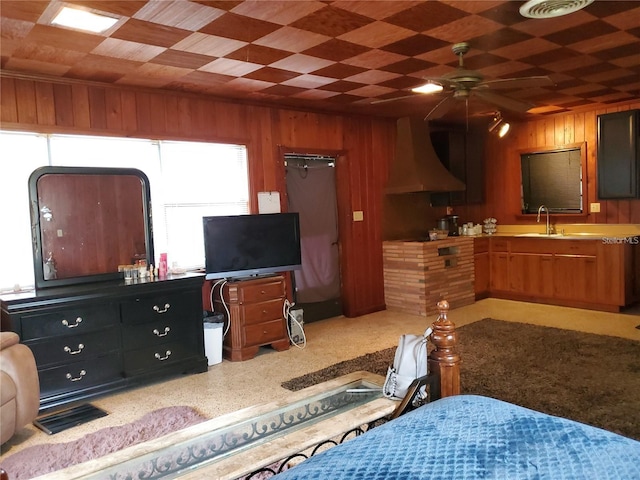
255,316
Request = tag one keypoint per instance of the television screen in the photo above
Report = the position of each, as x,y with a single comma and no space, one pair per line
251,245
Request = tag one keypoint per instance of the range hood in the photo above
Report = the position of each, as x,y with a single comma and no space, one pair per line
416,166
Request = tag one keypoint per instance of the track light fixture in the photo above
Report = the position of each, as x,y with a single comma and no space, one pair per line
498,125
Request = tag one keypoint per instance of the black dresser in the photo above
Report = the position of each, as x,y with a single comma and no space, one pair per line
96,338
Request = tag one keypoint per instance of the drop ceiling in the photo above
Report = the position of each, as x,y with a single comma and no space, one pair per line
339,56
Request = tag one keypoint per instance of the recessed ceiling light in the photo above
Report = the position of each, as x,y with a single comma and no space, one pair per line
83,20
428,88
552,8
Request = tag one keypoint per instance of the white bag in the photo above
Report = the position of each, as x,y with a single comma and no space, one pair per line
409,363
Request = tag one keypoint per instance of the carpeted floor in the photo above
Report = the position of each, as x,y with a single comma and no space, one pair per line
593,379
41,459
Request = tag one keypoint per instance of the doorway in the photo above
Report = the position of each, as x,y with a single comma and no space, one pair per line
311,191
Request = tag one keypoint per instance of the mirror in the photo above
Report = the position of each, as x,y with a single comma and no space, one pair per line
87,221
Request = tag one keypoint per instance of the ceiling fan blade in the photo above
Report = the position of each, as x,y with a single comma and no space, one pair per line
523,82
441,108
504,102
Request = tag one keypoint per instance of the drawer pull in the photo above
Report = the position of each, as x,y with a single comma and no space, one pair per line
74,352
75,379
68,325
157,332
157,309
166,355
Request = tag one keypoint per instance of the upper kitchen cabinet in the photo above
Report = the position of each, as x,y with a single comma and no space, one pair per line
618,155
461,151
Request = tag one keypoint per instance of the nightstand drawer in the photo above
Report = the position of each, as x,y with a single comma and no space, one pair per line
75,348
67,321
166,307
264,333
260,292
155,333
254,313
80,375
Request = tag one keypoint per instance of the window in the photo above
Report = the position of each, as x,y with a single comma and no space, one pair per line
553,179
188,180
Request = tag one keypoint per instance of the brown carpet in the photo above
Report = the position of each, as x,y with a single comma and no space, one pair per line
41,459
593,379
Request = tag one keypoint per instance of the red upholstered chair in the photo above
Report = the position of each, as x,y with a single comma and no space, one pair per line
19,387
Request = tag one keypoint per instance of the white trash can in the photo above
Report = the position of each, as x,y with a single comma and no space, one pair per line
213,342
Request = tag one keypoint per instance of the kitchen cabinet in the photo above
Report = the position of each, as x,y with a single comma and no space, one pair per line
254,315
499,264
97,338
619,155
481,266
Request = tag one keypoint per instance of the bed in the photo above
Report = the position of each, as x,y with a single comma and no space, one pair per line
459,437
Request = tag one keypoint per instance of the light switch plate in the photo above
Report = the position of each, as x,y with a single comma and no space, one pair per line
594,208
358,216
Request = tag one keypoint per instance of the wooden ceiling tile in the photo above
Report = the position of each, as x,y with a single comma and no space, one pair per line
626,20
316,94
161,71
208,45
112,47
126,8
377,34
302,63
247,85
339,70
550,26
498,38
372,77
99,68
21,10
336,50
407,66
142,81
206,78
12,34
371,91
531,46
36,66
628,61
341,86
176,58
151,33
63,38
282,90
292,39
270,74
234,26
46,53
283,12
258,54
425,16
604,42
378,10
414,45
374,59
473,6
464,29
175,13
331,21
309,81
226,66
504,70
572,63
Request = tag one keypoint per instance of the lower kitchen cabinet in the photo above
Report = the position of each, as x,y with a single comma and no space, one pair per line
97,338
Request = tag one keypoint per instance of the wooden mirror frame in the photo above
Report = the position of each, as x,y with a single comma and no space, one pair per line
83,216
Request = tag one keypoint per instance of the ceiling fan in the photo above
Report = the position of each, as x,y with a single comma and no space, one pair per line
463,84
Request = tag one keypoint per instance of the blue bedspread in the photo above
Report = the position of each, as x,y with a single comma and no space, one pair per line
472,437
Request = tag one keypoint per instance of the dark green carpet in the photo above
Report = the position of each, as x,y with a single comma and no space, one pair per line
593,379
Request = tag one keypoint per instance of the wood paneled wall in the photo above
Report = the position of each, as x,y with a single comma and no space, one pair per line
366,144
503,170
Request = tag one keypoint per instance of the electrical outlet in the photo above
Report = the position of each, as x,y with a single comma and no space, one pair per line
594,208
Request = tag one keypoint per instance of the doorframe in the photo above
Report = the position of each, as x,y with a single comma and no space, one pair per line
342,201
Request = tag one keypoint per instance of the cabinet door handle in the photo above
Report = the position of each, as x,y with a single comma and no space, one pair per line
74,352
66,323
158,309
167,354
75,379
164,334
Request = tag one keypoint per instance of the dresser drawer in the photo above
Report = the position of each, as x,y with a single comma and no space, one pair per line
260,292
80,375
264,333
67,321
157,357
253,313
167,307
161,330
75,347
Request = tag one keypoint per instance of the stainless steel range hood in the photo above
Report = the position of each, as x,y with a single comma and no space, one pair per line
416,166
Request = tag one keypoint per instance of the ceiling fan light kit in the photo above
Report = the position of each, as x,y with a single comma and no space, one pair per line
499,126
552,8
429,87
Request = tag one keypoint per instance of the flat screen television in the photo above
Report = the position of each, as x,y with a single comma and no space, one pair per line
240,246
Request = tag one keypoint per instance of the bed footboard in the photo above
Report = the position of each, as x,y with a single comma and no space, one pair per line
444,360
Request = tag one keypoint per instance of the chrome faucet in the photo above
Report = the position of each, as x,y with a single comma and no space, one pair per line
548,231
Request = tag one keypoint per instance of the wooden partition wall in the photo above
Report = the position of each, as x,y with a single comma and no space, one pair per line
47,106
502,181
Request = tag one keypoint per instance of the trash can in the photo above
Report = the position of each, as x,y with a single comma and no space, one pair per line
213,338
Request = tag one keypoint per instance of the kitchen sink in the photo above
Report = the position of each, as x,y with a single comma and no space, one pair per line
539,235
567,236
